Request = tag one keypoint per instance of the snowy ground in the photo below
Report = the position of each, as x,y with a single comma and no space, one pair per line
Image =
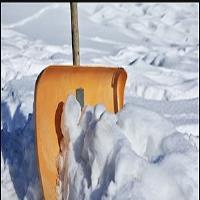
157,44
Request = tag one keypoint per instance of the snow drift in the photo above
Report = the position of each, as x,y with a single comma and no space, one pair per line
124,156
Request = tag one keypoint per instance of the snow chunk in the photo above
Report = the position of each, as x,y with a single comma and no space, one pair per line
114,156
145,139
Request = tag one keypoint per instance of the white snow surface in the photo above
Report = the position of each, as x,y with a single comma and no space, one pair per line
149,150
125,156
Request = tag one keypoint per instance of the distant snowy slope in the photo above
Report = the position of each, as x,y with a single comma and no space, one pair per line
157,44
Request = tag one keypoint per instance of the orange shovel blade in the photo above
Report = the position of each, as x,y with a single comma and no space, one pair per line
103,85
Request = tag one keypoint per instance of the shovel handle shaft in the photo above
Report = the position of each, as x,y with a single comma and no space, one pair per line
75,33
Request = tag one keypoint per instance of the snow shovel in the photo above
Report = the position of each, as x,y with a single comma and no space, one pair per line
90,85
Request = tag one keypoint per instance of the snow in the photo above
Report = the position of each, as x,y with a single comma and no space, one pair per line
118,157
158,45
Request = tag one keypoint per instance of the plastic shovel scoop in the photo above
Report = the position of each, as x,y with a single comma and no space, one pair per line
90,85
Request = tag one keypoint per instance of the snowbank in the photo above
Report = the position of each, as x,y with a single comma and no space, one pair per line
135,154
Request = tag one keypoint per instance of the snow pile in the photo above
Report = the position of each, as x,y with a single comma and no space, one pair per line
19,178
125,156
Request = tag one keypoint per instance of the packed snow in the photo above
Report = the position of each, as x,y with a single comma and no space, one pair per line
125,156
148,150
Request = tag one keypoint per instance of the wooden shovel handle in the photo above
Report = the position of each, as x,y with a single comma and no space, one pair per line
75,33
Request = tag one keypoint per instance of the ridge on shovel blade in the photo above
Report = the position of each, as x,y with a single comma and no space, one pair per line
103,85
